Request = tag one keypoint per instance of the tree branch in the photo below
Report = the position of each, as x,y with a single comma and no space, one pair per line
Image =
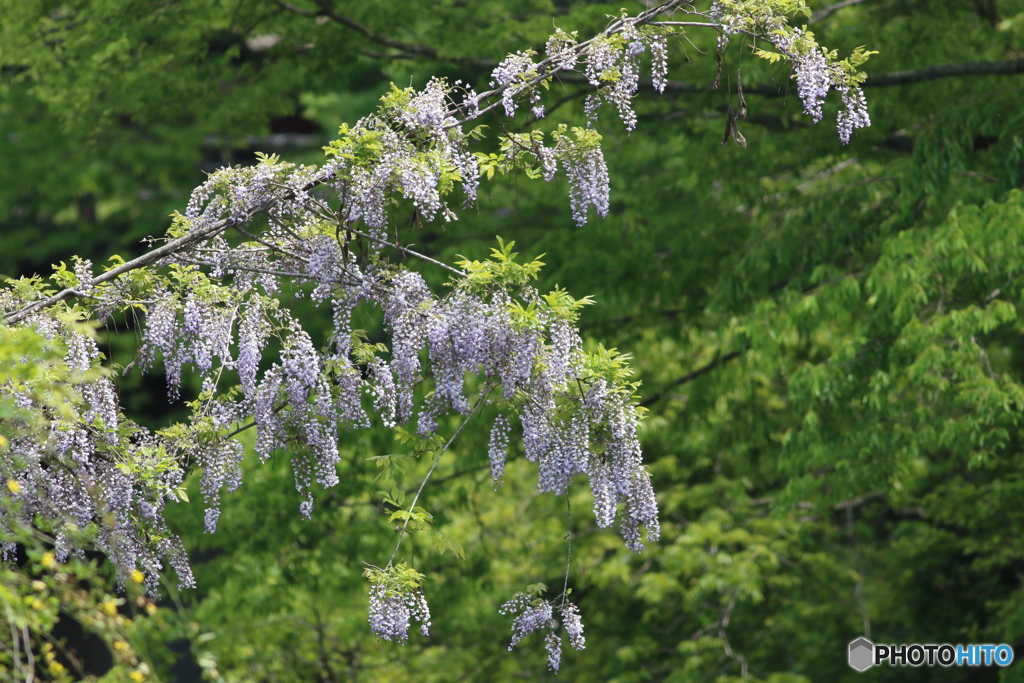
826,11
931,73
411,51
408,49
718,360
167,249
928,73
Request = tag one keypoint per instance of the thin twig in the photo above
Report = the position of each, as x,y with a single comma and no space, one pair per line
270,246
568,550
31,677
718,360
858,590
168,248
701,24
407,251
825,11
247,269
325,10
722,626
433,466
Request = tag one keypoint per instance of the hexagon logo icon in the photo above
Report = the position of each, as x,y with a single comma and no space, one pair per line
862,654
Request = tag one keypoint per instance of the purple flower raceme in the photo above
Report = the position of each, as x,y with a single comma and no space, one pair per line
553,646
512,74
659,62
573,625
391,612
497,450
812,82
561,49
588,184
536,614
855,113
601,60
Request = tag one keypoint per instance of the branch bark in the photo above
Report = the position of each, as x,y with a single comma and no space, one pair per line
931,73
408,50
689,377
166,249
826,11
906,77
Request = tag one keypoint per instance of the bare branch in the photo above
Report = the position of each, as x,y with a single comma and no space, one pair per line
408,49
168,248
931,73
407,251
718,360
700,24
826,11
928,73
857,502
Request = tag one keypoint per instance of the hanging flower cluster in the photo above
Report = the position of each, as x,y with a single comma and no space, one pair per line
815,69
535,614
575,408
578,153
69,458
395,600
613,67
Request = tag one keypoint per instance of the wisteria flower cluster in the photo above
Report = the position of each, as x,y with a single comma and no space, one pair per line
513,76
215,312
578,152
390,613
613,66
535,614
816,70
68,457
395,600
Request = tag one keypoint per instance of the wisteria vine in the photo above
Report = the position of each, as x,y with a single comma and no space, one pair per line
210,300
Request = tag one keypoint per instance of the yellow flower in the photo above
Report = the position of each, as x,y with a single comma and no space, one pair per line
49,561
137,676
137,576
13,486
38,585
151,608
120,645
109,608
